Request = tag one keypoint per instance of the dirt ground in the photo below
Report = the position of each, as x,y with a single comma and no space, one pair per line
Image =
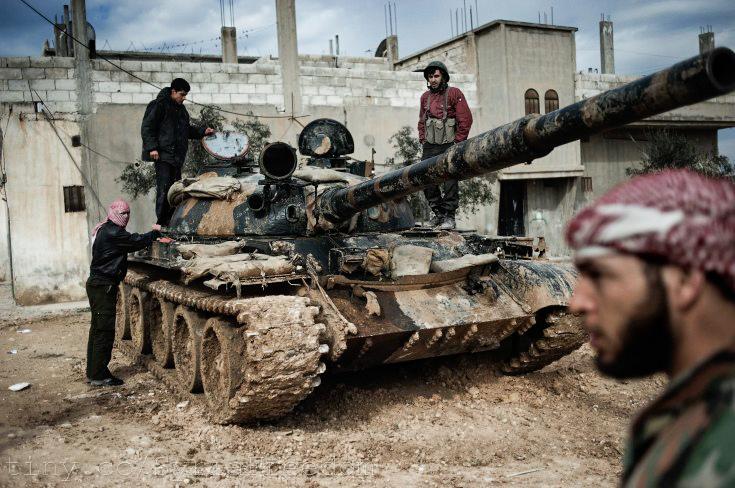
445,422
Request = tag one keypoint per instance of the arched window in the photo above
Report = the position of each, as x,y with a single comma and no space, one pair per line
532,106
551,101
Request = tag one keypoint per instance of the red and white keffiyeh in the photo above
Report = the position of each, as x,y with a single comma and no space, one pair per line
678,215
118,213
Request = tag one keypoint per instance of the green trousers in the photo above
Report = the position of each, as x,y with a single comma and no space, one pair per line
102,302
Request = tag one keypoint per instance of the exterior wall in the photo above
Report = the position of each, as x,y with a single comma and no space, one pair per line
51,78
458,55
716,112
365,84
606,159
4,244
512,59
50,247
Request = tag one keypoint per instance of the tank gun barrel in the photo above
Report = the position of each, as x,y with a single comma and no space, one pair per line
690,81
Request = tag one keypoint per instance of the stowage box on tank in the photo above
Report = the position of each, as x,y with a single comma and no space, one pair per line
276,273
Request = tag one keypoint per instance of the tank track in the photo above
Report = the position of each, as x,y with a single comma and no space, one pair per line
254,358
559,334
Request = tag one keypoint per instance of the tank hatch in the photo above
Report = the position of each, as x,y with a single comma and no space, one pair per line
227,145
325,138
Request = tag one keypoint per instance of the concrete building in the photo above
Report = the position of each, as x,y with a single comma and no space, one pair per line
56,192
524,68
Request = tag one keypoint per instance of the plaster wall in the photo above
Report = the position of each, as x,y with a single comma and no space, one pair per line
457,55
606,159
511,60
50,246
4,241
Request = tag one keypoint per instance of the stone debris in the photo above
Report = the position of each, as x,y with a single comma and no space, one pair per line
19,386
372,306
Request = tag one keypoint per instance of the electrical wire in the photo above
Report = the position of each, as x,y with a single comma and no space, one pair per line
213,107
50,119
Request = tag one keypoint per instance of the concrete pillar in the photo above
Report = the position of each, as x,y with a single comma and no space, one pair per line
229,45
83,69
391,47
288,55
471,50
706,42
607,54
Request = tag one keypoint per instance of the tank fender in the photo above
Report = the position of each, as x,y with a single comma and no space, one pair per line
536,284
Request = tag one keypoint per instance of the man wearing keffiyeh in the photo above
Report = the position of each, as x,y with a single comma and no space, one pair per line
656,257
111,244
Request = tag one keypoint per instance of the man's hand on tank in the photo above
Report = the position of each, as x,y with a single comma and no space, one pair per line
208,131
154,155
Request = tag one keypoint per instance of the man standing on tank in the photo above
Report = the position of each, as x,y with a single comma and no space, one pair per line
444,120
165,131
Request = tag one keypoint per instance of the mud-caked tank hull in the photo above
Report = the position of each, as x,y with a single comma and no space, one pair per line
270,278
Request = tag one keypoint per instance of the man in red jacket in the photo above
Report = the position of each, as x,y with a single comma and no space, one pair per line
444,120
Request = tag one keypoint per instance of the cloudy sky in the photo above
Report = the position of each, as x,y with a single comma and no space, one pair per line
649,35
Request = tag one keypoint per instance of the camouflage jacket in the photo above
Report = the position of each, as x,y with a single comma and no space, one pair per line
687,436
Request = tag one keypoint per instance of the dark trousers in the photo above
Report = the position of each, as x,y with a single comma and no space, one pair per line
448,204
166,175
102,302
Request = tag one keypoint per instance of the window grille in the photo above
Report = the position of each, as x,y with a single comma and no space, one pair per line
551,101
532,104
74,199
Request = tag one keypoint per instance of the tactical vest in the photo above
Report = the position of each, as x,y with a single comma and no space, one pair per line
439,131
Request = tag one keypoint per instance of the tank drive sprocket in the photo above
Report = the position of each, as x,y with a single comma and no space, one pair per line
555,335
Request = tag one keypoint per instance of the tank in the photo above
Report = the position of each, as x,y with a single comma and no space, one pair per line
273,273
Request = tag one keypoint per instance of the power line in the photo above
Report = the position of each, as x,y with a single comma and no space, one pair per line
213,107
50,120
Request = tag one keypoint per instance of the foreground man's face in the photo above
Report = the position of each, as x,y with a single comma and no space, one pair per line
626,314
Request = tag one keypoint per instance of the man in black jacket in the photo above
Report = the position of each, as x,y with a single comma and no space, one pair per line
166,132
111,244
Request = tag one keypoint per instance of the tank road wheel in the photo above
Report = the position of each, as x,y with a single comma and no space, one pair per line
138,305
188,327
161,325
122,316
264,368
556,334
223,348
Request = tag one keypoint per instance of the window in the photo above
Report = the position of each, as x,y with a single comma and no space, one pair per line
551,101
586,184
74,199
532,106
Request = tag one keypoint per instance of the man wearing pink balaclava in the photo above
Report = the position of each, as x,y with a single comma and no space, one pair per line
656,257
111,244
